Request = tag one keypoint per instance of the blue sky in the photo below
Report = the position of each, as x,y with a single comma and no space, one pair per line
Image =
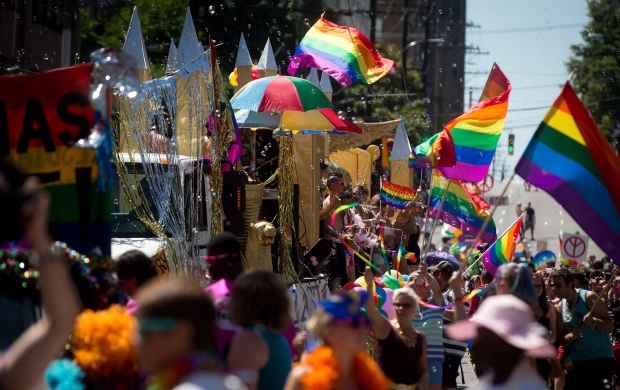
530,40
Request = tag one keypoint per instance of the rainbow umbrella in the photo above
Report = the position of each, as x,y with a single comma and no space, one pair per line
307,122
290,103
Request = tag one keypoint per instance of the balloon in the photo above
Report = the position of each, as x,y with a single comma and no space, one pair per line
389,299
405,277
383,313
391,281
380,302
360,291
381,293
349,286
374,151
362,283
379,283
403,284
376,298
396,274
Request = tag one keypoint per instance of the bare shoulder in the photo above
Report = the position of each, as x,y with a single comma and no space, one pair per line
293,382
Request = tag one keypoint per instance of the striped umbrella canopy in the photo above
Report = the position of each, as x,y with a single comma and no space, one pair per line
309,122
279,94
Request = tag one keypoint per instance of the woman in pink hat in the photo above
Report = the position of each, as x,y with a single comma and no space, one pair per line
504,334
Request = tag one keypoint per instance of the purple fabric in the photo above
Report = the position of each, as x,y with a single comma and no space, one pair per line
310,61
580,209
225,330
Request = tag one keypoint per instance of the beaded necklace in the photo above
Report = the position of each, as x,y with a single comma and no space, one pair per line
410,341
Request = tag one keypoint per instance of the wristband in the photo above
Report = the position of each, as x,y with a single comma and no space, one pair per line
56,251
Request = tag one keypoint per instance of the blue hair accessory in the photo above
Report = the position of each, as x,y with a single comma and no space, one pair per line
345,305
63,374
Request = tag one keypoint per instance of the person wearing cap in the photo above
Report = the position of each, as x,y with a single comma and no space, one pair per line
454,350
585,325
504,333
338,359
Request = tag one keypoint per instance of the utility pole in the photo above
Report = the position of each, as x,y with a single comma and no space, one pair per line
373,20
405,37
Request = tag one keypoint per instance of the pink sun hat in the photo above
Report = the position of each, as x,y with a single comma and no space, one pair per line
512,320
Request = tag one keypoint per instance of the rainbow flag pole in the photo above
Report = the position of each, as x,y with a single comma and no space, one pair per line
506,242
443,199
487,221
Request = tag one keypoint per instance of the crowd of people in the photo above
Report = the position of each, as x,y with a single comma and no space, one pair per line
522,328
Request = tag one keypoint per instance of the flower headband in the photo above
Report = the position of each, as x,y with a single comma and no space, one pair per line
344,305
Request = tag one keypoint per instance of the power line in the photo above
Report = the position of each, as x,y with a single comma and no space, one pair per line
514,30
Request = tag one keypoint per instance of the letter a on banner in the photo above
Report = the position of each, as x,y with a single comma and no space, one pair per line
41,117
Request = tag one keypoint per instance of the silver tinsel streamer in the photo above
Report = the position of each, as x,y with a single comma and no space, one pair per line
166,127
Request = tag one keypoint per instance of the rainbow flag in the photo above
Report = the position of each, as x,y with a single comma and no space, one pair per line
463,208
342,52
502,250
44,115
396,195
569,158
474,135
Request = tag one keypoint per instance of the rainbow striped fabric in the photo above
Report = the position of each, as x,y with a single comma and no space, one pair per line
396,195
342,52
569,158
474,135
46,114
463,208
502,250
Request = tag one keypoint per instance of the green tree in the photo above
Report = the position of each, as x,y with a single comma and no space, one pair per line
284,22
386,99
598,64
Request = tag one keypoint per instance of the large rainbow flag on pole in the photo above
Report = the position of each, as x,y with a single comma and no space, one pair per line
463,208
396,195
342,52
474,135
569,158
501,251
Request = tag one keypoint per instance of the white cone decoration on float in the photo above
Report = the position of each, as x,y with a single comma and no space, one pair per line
188,46
313,77
326,85
267,59
401,148
134,43
172,64
243,54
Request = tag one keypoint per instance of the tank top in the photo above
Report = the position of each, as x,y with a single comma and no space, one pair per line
400,363
593,344
273,374
430,322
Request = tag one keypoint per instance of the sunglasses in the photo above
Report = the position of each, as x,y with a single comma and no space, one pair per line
556,285
405,305
156,324
355,322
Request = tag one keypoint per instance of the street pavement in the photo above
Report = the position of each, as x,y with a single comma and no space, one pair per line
551,218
